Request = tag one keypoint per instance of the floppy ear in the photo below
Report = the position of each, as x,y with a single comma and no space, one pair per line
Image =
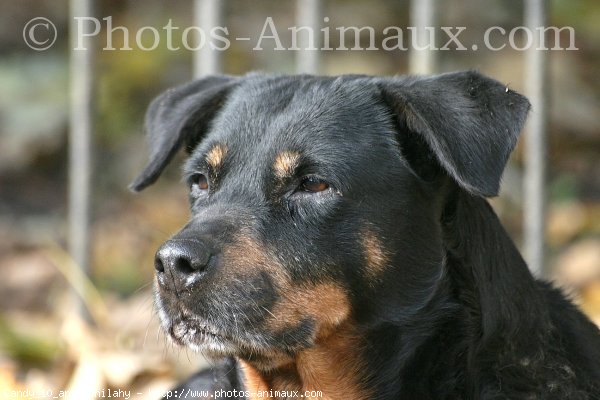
179,116
468,122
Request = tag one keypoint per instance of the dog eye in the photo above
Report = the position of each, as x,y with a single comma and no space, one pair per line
313,185
199,181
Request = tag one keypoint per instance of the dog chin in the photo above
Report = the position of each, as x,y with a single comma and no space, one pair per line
199,337
191,332
188,330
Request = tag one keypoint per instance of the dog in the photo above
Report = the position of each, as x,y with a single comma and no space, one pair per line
341,245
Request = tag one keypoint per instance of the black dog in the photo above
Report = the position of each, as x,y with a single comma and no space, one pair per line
340,243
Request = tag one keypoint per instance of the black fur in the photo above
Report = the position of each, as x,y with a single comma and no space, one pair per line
452,312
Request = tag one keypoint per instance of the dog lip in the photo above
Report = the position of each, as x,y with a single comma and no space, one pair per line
187,331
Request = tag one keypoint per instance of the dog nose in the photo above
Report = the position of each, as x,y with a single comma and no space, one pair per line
182,256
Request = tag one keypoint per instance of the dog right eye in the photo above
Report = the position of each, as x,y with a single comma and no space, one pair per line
198,182
313,184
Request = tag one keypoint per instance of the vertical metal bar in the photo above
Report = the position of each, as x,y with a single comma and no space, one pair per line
309,14
535,140
422,60
207,15
80,131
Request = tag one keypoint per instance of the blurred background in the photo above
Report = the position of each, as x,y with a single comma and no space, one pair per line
46,344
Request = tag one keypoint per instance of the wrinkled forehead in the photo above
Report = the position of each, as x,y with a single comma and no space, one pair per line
320,117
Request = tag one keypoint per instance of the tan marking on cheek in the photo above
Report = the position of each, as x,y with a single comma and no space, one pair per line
376,257
245,256
216,155
333,364
285,163
326,304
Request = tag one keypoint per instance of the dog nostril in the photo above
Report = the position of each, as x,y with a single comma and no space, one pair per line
184,266
158,265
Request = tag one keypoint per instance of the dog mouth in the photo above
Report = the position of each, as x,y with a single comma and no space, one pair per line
190,332
196,334
220,334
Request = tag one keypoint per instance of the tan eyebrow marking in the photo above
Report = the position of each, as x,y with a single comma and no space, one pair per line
215,156
285,163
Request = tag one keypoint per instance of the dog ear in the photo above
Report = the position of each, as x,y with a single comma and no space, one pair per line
180,116
465,121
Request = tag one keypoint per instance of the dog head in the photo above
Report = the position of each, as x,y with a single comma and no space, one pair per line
316,201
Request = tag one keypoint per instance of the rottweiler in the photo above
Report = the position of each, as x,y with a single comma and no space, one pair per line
341,245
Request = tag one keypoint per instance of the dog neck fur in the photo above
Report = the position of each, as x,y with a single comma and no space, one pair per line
489,267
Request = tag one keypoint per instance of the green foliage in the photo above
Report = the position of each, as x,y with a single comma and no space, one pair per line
127,79
27,349
564,188
583,15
